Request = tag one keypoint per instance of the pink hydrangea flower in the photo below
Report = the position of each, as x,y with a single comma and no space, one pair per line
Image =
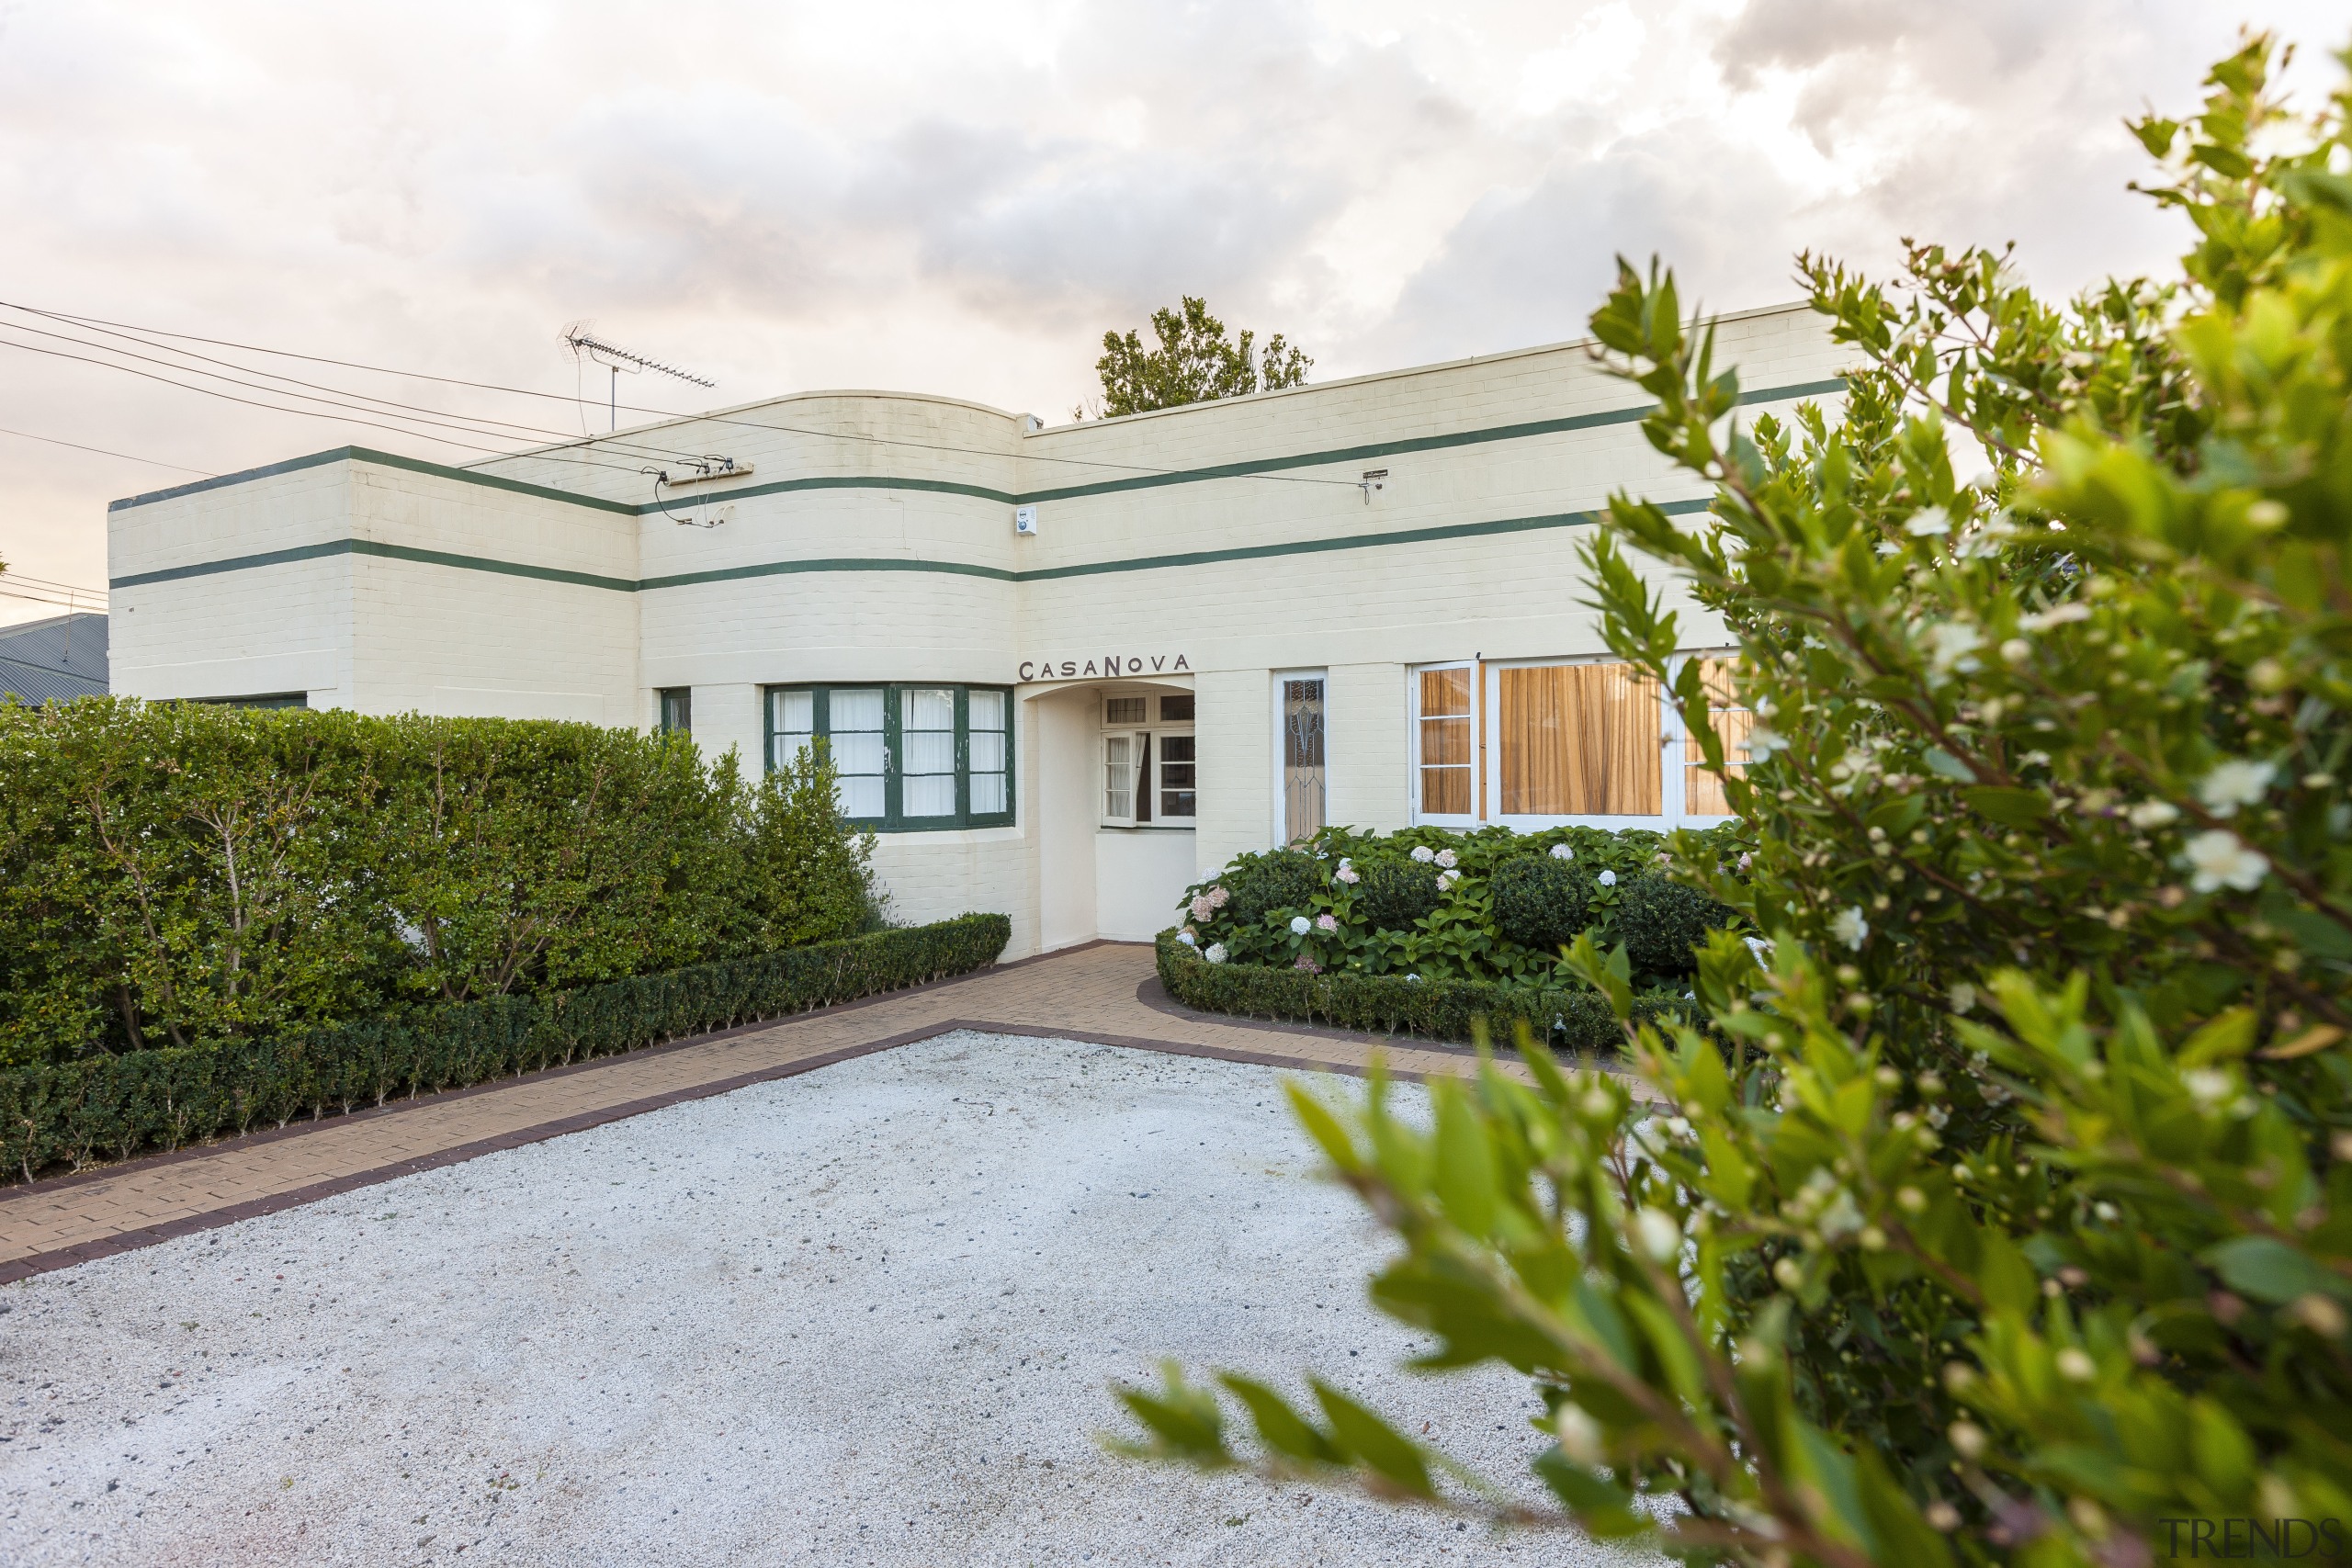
1201,908
1217,896
1309,965
1326,922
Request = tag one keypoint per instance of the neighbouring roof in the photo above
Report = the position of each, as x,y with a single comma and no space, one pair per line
54,661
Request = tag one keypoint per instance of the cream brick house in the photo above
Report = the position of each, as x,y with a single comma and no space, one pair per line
1064,670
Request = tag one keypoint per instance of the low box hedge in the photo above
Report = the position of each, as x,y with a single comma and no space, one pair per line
114,1107
1568,1019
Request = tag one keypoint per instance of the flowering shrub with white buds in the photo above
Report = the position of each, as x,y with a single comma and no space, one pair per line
2017,1228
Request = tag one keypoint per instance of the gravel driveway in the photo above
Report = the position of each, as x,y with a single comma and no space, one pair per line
862,1315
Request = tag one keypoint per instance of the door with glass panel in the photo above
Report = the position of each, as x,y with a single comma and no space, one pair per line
1302,758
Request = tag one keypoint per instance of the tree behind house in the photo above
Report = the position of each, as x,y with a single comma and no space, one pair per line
1194,363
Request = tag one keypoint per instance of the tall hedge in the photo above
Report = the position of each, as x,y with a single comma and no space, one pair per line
114,1107
173,874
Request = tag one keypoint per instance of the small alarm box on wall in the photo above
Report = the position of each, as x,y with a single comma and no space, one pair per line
1024,520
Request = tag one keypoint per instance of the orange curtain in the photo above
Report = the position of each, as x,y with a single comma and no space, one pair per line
1579,740
1445,742
1702,792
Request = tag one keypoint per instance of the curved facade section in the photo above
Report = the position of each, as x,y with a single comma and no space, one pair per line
1211,629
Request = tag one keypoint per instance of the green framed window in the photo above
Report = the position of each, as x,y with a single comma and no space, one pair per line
917,756
677,710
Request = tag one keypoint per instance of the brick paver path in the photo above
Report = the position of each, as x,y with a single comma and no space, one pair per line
1104,993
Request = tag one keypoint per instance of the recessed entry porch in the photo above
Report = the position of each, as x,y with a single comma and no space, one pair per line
1117,804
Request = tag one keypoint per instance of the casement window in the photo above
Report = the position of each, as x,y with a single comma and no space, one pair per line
1148,778
910,758
1530,743
1445,742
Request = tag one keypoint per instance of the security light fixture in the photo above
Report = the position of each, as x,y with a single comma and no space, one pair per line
1024,520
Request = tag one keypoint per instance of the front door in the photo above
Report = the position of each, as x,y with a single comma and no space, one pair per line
1302,758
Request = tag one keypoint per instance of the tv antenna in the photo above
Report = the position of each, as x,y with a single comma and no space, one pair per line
581,338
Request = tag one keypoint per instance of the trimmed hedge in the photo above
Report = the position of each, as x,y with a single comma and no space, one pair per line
114,1107
1569,1020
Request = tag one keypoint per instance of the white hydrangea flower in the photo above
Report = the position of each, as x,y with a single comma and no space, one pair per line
2153,814
1216,955
1562,852
1852,927
1446,879
1609,879
1300,925
1761,949
1413,979
2235,784
2220,859
1188,938
1423,853
1447,859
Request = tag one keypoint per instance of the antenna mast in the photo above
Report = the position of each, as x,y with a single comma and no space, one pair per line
581,338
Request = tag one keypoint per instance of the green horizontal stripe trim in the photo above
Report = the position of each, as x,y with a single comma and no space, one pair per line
383,552
852,481
389,460
832,563
1415,444
884,564
948,486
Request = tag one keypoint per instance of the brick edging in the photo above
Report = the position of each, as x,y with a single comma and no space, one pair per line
310,1124
16,1269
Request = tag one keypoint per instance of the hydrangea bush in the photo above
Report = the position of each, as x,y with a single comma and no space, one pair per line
2019,1228
1491,905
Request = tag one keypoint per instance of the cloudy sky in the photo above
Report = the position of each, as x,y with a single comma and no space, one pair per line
960,198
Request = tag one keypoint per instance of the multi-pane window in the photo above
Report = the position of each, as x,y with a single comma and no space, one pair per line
909,757
1530,743
1149,762
1444,719
1702,792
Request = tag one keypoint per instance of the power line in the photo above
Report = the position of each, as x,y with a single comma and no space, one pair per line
281,408
99,321
44,582
152,462
483,424
84,599
500,430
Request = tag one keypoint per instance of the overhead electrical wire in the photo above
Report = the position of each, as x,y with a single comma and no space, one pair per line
409,420
103,452
114,328
483,424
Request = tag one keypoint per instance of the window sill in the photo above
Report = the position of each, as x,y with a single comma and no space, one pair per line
1143,828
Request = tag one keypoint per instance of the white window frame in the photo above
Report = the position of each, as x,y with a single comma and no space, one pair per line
1487,771
1413,740
1157,731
